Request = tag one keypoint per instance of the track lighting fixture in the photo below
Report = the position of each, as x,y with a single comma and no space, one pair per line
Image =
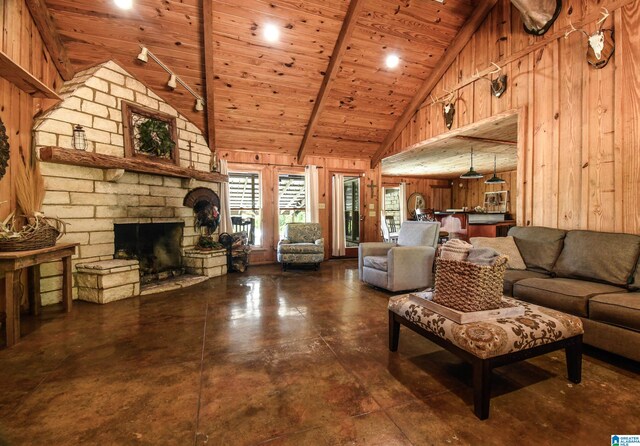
172,82
174,79
144,55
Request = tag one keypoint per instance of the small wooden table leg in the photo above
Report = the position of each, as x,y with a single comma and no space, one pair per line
34,290
12,310
67,284
481,388
573,354
394,332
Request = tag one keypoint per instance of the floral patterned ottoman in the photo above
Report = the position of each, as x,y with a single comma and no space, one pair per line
494,343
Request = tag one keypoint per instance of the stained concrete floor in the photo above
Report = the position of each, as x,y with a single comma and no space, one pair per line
295,358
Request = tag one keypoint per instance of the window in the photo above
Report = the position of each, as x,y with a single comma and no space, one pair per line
246,205
392,204
291,200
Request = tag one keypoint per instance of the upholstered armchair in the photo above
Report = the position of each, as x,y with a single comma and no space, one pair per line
405,265
302,244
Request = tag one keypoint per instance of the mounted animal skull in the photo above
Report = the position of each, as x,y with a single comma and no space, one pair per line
601,42
538,15
499,84
448,109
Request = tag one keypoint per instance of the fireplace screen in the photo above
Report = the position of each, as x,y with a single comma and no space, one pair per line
155,245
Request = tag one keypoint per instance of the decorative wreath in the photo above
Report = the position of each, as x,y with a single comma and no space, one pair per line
4,149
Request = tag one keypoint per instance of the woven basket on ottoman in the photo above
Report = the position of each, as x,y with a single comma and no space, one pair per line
466,286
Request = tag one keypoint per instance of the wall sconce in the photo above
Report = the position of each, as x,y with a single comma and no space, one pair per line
79,138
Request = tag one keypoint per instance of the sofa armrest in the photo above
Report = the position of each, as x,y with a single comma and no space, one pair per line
371,249
284,241
408,265
320,242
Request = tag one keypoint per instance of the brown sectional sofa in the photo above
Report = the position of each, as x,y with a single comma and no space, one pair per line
593,275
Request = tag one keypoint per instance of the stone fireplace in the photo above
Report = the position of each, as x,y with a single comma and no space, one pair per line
138,222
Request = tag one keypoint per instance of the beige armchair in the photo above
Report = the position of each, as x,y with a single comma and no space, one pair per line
405,265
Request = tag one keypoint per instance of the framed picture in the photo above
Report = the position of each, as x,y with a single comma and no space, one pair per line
497,202
149,134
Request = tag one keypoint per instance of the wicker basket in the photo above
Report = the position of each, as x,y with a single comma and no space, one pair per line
46,233
466,286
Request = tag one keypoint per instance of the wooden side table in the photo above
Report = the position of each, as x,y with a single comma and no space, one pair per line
11,263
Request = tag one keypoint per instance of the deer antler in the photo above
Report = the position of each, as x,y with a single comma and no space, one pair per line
605,16
574,29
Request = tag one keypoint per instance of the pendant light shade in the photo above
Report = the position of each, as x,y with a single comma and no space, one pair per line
472,174
495,179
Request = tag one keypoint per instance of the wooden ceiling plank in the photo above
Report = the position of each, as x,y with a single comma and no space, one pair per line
51,38
349,24
460,41
209,74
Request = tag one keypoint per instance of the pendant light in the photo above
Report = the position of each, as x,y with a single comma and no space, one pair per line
472,174
495,179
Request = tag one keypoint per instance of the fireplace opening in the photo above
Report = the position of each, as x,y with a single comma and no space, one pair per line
156,246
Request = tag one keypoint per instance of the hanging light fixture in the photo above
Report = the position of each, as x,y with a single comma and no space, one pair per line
495,179
472,174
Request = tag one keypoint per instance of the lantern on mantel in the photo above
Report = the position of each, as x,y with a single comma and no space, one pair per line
79,138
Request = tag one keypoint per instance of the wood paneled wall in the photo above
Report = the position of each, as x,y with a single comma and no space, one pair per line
21,41
581,163
271,164
470,193
437,193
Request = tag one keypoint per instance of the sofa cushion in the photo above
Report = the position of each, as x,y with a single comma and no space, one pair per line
302,232
300,248
635,282
600,256
419,233
621,309
504,245
539,247
568,295
511,276
376,262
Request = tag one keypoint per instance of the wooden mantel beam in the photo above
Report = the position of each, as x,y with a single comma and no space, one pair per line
51,38
458,44
348,25
209,77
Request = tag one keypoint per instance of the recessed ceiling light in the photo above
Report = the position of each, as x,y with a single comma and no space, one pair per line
271,33
392,61
124,4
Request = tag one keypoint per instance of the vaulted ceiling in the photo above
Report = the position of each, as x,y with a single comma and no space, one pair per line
265,93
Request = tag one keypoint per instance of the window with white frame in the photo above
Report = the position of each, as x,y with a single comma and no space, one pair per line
291,200
246,204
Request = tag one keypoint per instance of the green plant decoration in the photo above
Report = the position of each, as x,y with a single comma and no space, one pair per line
154,138
5,152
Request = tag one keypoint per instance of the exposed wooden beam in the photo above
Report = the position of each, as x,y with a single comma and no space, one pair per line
209,78
51,38
458,44
489,140
348,25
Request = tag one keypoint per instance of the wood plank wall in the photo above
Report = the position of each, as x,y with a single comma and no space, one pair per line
437,193
470,193
21,41
271,165
582,146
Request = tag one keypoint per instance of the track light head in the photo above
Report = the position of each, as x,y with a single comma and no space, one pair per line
144,55
173,82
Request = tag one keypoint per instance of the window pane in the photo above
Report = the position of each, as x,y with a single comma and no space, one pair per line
291,200
246,205
392,204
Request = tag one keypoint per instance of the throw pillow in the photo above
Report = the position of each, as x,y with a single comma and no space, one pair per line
504,245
